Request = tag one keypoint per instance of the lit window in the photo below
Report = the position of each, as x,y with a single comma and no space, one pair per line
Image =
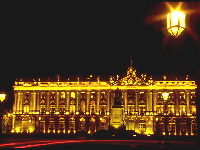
92,124
171,109
72,124
26,108
103,124
142,127
130,126
82,124
159,109
193,109
73,95
182,109
72,109
62,95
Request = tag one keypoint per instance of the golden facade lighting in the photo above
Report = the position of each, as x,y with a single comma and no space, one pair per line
140,100
175,22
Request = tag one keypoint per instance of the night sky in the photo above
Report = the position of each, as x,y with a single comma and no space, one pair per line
43,40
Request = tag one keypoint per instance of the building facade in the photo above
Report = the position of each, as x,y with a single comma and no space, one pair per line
145,107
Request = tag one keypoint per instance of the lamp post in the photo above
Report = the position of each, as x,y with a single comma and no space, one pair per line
165,98
175,22
2,98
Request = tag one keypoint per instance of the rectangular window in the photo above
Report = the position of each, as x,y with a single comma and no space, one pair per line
160,109
183,127
172,127
142,127
182,109
170,109
62,95
72,95
130,126
193,107
26,109
72,108
194,128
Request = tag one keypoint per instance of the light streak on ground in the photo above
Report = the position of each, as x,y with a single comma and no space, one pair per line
114,142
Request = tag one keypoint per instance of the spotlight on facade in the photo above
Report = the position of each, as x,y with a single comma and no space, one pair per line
2,97
175,22
165,96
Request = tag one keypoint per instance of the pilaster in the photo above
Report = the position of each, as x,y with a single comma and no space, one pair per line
88,101
67,103
98,100
187,101
34,101
136,100
57,101
77,100
38,101
154,100
48,97
108,100
125,100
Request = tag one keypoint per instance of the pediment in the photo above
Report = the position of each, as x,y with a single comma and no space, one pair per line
131,102
72,102
159,102
92,102
82,102
171,102
62,102
102,102
52,102
42,102
26,102
141,102
182,102
193,102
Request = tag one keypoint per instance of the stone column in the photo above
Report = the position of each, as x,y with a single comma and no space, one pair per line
21,101
48,97
88,101
67,103
154,100
38,101
112,98
31,101
108,100
18,100
136,100
187,98
77,101
98,100
125,101
57,101
150,100
15,102
176,102
34,101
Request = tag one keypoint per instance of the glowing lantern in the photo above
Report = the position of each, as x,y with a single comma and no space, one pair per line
2,97
175,22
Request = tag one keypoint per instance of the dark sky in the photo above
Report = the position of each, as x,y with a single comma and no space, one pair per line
79,39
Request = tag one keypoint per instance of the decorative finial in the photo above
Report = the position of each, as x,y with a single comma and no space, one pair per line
131,60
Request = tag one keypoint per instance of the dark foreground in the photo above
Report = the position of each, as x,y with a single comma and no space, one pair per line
60,141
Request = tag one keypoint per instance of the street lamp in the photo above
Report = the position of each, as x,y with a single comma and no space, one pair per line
2,98
175,22
165,96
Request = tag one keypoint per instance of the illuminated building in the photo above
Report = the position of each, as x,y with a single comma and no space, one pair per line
133,103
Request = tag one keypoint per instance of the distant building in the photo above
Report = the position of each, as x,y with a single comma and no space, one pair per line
133,103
